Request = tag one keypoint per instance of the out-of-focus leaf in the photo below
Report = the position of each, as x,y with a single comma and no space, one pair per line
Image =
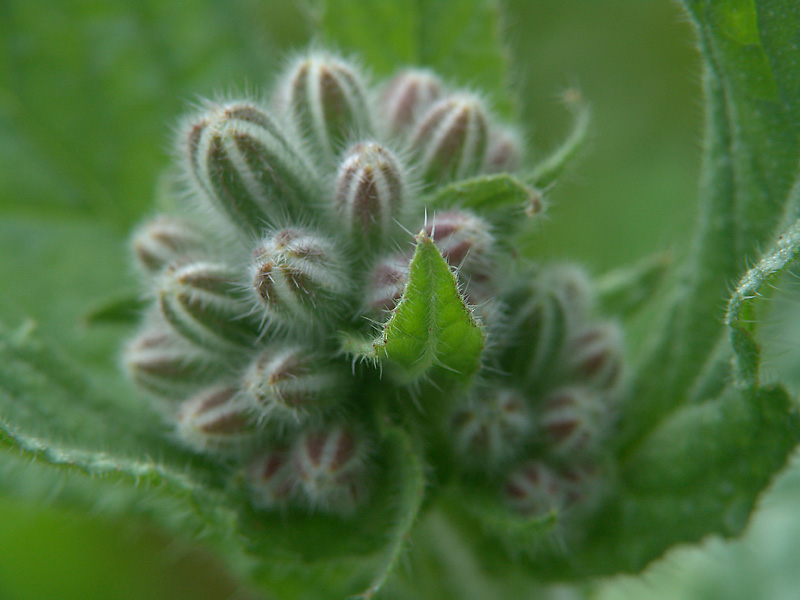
460,39
751,157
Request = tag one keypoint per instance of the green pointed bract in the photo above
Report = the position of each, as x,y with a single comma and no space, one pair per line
431,327
249,169
502,199
327,101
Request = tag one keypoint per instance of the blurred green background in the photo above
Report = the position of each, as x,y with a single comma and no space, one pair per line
89,92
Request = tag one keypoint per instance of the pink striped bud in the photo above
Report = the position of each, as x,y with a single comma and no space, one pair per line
504,151
463,239
406,97
369,191
595,356
165,240
271,479
491,427
167,366
330,464
287,384
297,276
386,284
200,301
248,168
216,421
534,489
449,141
327,101
574,421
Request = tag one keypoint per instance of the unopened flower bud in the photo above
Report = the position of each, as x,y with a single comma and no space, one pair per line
327,100
405,98
248,167
286,384
463,239
386,284
595,356
330,464
200,300
504,150
542,316
369,190
165,240
271,478
491,427
467,244
165,365
297,275
216,421
574,420
449,140
534,489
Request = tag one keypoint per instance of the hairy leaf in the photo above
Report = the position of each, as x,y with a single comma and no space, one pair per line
459,39
432,327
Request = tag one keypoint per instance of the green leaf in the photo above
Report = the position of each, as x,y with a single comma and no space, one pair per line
460,39
124,308
750,160
85,111
503,199
742,317
547,171
52,413
432,327
703,468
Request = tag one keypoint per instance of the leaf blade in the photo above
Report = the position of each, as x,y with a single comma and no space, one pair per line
431,327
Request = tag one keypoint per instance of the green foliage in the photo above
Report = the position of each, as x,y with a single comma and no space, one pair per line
695,451
431,328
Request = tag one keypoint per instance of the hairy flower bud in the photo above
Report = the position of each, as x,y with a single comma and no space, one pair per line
297,275
216,421
542,316
492,426
165,240
330,464
574,420
404,99
464,239
167,366
288,383
327,100
200,300
386,284
244,162
534,489
595,356
450,138
271,478
369,190
504,150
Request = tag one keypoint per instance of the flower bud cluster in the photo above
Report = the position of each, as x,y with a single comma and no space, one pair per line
307,201
542,422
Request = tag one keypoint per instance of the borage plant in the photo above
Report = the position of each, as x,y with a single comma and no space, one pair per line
341,349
